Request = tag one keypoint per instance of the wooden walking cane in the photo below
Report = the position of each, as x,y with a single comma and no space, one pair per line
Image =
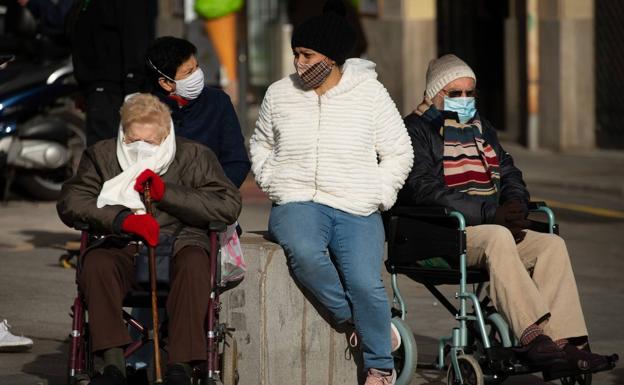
152,274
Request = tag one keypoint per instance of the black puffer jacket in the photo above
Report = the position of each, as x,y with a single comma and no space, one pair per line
425,183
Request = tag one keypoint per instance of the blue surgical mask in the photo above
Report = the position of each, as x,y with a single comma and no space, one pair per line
465,107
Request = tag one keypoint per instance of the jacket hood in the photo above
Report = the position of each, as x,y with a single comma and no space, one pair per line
354,72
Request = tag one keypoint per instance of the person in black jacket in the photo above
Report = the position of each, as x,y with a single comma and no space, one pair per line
109,39
199,113
458,162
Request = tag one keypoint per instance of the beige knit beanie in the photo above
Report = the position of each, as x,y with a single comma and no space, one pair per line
444,70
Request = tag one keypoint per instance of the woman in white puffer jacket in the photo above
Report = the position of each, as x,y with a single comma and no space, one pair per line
331,150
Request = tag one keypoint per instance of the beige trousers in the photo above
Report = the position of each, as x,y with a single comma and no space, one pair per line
528,280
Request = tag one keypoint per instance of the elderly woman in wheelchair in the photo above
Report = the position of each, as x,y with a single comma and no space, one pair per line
460,165
189,191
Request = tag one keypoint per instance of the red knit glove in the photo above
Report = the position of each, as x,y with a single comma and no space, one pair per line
144,226
157,186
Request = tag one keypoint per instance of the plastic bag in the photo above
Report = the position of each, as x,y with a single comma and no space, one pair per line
212,9
233,265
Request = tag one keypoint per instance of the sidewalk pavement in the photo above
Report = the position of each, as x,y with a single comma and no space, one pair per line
595,170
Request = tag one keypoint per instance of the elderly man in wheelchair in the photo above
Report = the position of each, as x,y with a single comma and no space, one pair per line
459,163
189,192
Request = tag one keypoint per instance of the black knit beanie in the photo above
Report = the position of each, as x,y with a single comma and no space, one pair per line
328,33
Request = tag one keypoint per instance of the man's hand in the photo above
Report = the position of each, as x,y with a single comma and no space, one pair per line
144,226
513,216
157,186
510,211
423,106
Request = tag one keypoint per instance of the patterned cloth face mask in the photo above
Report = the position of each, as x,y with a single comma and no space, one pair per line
313,75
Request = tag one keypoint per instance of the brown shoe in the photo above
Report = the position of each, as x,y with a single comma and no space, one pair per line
579,361
586,361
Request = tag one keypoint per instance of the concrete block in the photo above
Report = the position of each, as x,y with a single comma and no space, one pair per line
282,334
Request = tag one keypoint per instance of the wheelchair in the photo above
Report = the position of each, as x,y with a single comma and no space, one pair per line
221,355
421,243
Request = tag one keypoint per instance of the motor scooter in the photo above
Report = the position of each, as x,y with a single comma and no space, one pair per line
41,126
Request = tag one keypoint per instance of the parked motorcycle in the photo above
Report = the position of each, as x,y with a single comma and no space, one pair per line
41,130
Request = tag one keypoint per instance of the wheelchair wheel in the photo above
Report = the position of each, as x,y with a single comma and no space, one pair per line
229,361
406,356
470,372
581,379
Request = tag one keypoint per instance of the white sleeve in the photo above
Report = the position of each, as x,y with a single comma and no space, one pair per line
394,148
261,143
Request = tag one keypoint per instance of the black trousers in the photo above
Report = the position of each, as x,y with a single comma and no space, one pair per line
103,104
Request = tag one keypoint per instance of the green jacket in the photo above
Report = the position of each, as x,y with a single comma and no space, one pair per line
197,192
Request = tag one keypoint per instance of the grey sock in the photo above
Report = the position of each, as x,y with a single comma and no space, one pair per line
187,368
115,357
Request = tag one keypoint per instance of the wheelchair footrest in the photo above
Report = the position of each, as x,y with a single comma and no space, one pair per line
505,361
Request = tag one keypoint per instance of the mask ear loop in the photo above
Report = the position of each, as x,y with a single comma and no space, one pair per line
157,70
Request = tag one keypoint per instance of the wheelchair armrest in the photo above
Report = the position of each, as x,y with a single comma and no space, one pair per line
422,211
551,226
218,227
533,206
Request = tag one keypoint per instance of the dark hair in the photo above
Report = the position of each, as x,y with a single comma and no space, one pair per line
165,55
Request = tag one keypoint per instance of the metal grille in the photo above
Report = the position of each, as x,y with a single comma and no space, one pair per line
609,73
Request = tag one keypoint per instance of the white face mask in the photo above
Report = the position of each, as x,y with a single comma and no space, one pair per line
140,150
190,87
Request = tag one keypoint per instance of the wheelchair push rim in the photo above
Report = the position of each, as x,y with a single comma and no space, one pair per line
406,356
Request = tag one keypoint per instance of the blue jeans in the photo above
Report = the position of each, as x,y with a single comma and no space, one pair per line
309,232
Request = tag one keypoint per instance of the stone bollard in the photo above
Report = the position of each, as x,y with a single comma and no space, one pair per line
282,334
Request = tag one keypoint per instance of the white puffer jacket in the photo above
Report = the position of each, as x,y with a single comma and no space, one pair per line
347,149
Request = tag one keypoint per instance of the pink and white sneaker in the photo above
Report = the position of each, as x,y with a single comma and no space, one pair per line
380,377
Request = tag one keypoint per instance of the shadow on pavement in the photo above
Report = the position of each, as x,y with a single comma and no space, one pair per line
50,366
51,239
618,375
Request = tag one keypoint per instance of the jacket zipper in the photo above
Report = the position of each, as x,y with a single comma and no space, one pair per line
318,138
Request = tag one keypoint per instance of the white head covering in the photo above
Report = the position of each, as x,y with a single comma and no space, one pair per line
120,189
444,70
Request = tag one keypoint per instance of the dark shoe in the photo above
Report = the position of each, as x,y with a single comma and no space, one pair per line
585,360
542,352
580,361
136,376
176,375
110,376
